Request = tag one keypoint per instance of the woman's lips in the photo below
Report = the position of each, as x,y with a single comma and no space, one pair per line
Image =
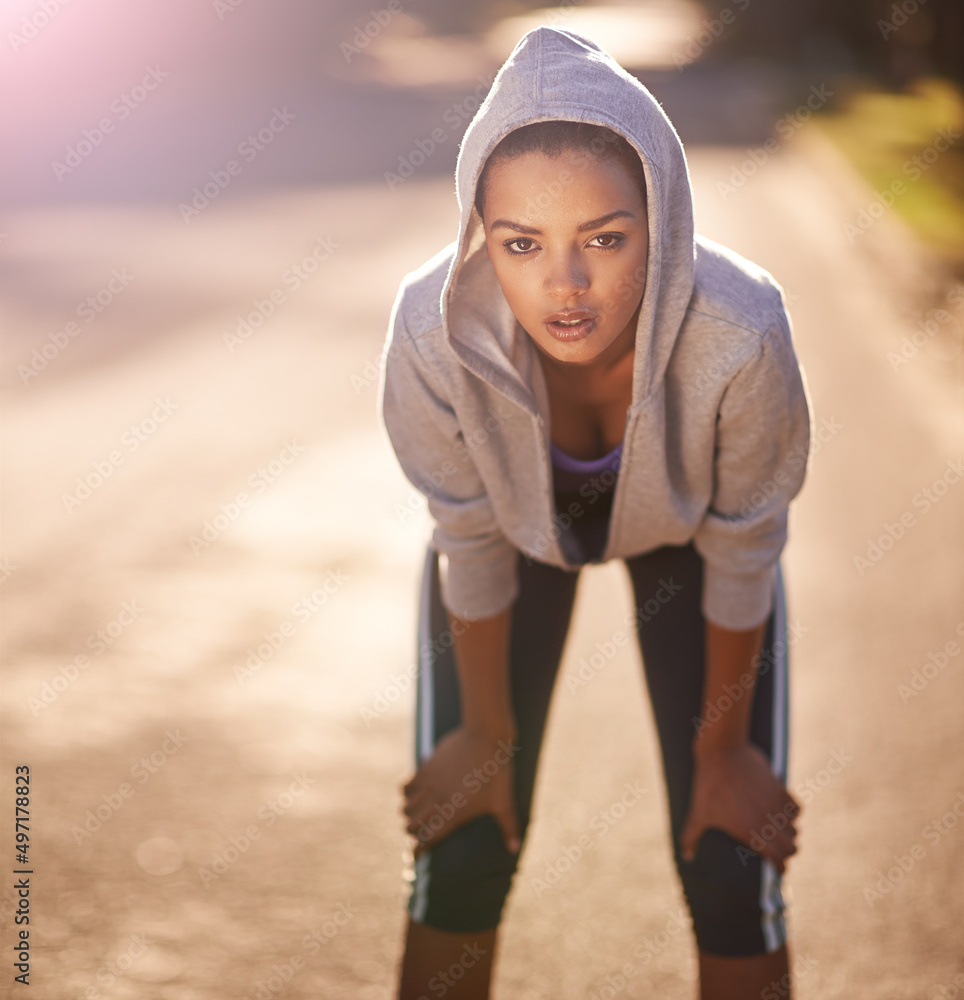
569,331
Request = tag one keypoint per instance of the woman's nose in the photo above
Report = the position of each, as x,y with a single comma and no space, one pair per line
566,276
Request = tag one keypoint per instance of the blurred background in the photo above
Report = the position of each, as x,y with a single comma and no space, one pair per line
209,559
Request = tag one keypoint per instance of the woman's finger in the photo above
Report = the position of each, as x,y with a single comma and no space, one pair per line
778,851
791,807
783,845
416,824
418,812
415,802
428,834
413,827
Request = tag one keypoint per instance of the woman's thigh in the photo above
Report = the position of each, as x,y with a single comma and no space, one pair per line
734,895
461,884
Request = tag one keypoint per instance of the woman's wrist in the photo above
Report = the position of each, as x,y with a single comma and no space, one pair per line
482,661
706,747
493,727
732,657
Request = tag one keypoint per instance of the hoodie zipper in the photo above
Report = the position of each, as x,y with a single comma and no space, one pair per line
620,489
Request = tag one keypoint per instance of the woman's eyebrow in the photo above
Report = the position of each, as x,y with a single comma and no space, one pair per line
517,227
620,213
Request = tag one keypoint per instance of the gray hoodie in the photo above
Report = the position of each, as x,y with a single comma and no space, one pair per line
717,434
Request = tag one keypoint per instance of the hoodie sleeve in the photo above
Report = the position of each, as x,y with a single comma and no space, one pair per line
478,564
762,444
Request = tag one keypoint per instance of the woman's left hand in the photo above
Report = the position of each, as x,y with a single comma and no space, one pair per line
735,790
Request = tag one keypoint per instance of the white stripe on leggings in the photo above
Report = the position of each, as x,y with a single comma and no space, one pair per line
424,728
771,899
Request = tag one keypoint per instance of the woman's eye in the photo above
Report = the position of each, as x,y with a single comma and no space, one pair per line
608,240
519,246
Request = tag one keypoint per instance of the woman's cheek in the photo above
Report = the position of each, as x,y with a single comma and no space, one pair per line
624,287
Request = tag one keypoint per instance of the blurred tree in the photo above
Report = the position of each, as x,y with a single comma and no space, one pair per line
894,41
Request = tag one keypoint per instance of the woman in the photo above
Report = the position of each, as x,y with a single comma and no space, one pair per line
578,378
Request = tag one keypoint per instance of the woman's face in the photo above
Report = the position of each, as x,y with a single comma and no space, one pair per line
568,239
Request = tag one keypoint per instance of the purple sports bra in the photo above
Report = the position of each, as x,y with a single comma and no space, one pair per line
563,461
583,492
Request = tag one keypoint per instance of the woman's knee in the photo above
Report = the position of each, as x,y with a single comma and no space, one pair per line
462,883
734,897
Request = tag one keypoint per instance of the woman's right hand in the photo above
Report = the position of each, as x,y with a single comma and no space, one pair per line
470,773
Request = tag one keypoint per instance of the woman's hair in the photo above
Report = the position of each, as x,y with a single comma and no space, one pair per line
552,138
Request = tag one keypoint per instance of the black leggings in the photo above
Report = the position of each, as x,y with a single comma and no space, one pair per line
733,894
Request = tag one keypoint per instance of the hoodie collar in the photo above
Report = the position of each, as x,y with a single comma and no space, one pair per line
556,73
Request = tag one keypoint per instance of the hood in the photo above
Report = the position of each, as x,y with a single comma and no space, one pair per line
556,73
